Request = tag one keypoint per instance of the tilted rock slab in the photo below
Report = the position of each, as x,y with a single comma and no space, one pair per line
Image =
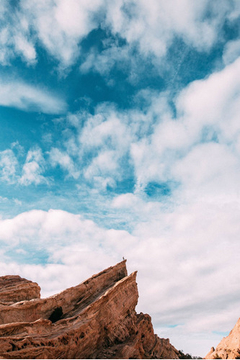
229,346
96,319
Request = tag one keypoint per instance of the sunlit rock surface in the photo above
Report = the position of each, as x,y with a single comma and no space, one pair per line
96,319
229,346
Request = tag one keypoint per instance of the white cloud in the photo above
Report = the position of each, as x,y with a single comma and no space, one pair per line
111,56
58,157
207,112
106,138
44,226
61,24
211,168
29,98
155,24
103,169
8,166
33,168
158,146
212,100
24,47
105,129
152,28
179,256
15,37
231,51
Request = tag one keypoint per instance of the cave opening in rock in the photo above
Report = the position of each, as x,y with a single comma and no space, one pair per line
56,314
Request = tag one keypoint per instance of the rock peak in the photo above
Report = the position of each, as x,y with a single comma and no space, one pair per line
95,319
229,346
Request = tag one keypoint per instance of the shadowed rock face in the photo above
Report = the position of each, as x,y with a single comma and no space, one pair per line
96,319
229,346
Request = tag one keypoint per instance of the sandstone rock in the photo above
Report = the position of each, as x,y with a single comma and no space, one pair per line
96,319
13,288
229,346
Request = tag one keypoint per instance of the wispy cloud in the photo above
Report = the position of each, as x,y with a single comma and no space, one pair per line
8,166
15,36
33,168
29,98
57,157
14,171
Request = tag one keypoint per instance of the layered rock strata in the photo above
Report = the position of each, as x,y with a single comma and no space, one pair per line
229,346
96,319
13,288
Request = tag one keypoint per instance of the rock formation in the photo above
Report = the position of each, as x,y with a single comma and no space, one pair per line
229,346
96,319
13,289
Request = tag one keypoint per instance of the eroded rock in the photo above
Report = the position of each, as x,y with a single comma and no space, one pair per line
13,288
229,346
96,319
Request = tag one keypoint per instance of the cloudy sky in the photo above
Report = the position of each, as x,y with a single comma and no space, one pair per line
120,136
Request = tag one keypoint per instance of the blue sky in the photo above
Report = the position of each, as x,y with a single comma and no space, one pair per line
120,136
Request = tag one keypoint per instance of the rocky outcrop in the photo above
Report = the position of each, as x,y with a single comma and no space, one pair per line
96,319
229,346
13,288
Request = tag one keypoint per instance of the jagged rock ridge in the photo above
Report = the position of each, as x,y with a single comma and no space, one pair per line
96,319
229,346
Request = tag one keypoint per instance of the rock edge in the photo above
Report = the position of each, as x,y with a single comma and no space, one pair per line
95,319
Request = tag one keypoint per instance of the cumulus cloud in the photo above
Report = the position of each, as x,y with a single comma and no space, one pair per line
150,29
163,21
46,226
37,232
60,26
196,239
206,120
178,243
157,145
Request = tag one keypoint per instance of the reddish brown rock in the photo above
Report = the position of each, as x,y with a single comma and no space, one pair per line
229,346
13,288
96,319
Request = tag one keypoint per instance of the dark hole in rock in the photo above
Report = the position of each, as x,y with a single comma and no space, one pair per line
118,341
13,347
56,314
